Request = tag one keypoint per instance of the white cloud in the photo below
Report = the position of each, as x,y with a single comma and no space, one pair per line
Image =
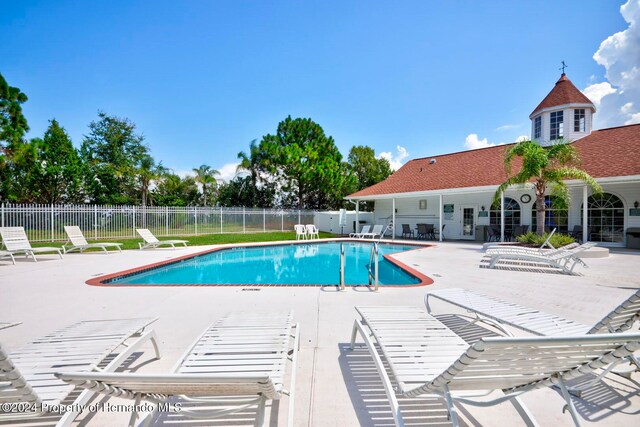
473,142
395,161
597,91
227,171
507,127
619,54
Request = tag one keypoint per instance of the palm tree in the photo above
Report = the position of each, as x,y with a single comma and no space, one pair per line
148,172
250,162
545,168
205,176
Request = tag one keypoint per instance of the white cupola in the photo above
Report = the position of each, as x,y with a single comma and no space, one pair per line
564,113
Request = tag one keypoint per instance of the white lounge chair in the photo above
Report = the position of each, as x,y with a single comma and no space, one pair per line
426,357
365,230
239,361
16,242
151,241
301,231
8,254
376,232
497,313
78,242
312,231
564,260
27,373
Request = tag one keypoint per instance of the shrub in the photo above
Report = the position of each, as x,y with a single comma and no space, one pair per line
557,240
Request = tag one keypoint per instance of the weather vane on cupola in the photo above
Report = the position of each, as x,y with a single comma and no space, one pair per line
563,67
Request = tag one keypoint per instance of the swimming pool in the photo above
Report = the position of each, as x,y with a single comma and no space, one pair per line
303,264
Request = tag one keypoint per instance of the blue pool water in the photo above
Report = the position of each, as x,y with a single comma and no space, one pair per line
298,264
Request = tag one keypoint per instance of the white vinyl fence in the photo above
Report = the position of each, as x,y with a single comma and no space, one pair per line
46,222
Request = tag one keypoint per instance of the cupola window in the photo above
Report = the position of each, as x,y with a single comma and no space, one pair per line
557,125
537,127
578,120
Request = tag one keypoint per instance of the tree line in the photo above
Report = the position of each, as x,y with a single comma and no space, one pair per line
299,166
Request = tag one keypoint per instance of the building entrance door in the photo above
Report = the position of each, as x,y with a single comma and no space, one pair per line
468,222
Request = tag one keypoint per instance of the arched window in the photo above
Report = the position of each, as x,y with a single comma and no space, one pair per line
556,215
605,218
511,214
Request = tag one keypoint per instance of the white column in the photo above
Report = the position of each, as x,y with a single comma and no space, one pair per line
585,214
440,215
356,230
393,219
502,216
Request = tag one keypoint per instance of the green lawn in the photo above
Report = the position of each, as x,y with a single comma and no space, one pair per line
205,239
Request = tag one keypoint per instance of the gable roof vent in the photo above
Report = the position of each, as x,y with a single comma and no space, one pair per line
432,161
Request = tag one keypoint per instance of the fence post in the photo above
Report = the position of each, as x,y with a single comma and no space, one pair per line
299,219
166,220
95,222
133,231
195,213
244,216
220,219
3,214
52,236
282,220
264,220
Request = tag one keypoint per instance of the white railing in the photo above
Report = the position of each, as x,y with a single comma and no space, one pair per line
46,222
373,266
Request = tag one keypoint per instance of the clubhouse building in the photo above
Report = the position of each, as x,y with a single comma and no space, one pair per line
454,192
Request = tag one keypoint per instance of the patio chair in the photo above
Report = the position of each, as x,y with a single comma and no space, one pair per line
151,241
563,260
77,241
424,231
27,374
365,230
301,231
375,232
4,254
240,361
312,231
16,242
426,357
407,231
493,235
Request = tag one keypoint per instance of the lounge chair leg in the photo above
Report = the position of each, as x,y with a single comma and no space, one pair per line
156,347
353,334
134,413
453,412
260,415
524,412
569,406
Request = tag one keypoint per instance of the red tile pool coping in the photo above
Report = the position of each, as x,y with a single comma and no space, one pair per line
103,280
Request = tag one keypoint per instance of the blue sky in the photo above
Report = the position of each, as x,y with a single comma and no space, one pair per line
201,79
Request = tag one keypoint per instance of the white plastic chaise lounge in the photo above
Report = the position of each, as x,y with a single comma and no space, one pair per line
16,242
561,259
4,254
78,242
6,325
151,241
425,357
301,231
365,230
239,362
312,231
376,232
27,379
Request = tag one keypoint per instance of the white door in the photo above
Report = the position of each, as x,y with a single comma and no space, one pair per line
468,222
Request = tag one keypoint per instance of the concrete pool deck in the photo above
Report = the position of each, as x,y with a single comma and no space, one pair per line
335,386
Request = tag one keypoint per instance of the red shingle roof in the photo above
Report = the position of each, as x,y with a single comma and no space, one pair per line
564,92
604,153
